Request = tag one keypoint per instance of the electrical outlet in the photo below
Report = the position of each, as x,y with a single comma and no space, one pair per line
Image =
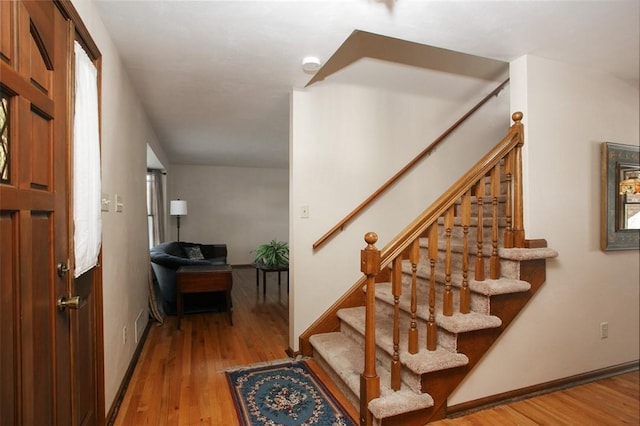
604,330
124,335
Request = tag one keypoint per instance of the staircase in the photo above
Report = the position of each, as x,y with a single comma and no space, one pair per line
436,298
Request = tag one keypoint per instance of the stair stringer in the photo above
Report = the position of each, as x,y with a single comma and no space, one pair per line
475,344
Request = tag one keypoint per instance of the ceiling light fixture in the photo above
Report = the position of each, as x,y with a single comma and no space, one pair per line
310,64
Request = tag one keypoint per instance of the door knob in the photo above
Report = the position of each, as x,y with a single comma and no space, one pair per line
75,302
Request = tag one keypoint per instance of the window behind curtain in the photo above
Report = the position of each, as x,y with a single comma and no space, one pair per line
155,207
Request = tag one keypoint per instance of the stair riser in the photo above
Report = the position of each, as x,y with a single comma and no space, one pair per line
479,303
457,233
487,207
487,186
383,358
353,398
457,260
508,268
445,338
503,182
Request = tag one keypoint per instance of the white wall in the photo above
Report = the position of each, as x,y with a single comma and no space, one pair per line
340,152
239,206
125,133
346,141
568,113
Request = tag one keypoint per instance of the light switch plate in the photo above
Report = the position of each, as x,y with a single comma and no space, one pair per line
119,204
105,202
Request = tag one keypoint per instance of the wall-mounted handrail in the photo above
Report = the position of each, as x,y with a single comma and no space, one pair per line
425,152
513,139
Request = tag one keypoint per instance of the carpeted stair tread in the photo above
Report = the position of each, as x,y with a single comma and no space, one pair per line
527,253
457,323
488,287
399,402
343,355
462,323
420,363
346,357
426,361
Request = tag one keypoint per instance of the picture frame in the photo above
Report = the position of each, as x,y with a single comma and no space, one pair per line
620,164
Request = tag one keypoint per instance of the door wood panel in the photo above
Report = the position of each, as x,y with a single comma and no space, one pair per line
30,366
51,364
8,278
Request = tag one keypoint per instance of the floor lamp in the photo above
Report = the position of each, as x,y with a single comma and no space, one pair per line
178,208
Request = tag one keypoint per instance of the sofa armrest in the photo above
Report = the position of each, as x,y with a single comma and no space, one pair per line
174,262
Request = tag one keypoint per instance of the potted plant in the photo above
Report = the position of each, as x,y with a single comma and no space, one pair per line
273,254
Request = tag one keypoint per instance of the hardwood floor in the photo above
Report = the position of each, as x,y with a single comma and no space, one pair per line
612,401
180,380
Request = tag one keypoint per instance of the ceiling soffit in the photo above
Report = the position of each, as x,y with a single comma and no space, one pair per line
362,44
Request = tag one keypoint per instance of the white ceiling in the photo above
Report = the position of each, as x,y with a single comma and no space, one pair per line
215,76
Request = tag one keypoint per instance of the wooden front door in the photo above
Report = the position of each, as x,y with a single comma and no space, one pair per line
39,343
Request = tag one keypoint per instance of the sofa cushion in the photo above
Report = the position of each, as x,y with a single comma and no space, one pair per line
194,252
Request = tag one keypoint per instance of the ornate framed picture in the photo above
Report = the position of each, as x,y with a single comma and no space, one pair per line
620,212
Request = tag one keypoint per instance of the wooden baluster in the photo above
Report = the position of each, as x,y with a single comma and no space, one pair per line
479,276
369,380
466,219
396,290
447,308
414,255
432,336
494,262
518,226
508,171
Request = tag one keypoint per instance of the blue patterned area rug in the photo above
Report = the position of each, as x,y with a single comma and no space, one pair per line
287,394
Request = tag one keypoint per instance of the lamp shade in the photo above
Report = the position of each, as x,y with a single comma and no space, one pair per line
178,208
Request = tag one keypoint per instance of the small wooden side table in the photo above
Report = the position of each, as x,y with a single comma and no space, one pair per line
203,279
265,269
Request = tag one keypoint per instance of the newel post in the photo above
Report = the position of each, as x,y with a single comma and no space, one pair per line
369,380
518,216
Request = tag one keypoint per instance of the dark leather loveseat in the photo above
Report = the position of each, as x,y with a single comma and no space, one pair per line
167,257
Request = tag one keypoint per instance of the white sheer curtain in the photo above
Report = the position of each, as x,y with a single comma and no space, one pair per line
86,165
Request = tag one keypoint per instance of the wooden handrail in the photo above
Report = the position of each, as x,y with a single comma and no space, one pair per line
425,152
